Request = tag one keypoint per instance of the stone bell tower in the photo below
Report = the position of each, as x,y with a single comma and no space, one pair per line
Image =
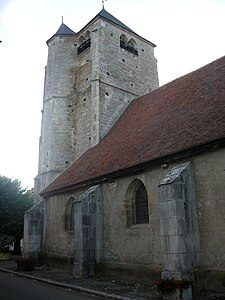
91,77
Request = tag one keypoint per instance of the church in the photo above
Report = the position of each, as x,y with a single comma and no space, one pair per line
131,175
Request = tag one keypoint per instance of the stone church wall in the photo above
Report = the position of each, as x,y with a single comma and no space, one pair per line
81,107
179,223
123,75
85,93
33,231
106,79
84,96
139,247
209,171
136,249
55,149
88,233
58,243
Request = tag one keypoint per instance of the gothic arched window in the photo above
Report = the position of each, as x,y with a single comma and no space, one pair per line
69,215
136,204
140,204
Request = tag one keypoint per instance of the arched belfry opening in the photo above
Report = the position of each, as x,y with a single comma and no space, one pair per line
129,45
84,42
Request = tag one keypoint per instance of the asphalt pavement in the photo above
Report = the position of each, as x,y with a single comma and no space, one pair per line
98,287
14,287
59,284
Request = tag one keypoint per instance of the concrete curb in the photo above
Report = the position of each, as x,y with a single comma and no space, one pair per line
68,286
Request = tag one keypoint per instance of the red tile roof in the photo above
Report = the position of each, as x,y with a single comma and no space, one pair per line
185,113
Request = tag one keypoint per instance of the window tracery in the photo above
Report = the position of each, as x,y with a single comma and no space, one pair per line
140,205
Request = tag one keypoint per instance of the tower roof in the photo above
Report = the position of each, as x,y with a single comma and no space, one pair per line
63,30
105,15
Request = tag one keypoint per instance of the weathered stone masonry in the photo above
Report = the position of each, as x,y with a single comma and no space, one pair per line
170,142
179,223
86,93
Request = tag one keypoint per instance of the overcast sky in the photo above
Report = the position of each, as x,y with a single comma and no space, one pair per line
188,35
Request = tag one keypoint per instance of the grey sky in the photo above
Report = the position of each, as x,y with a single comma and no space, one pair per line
188,35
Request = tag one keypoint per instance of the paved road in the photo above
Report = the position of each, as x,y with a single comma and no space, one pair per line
13,287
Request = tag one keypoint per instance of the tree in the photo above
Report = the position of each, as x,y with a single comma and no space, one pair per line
14,201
